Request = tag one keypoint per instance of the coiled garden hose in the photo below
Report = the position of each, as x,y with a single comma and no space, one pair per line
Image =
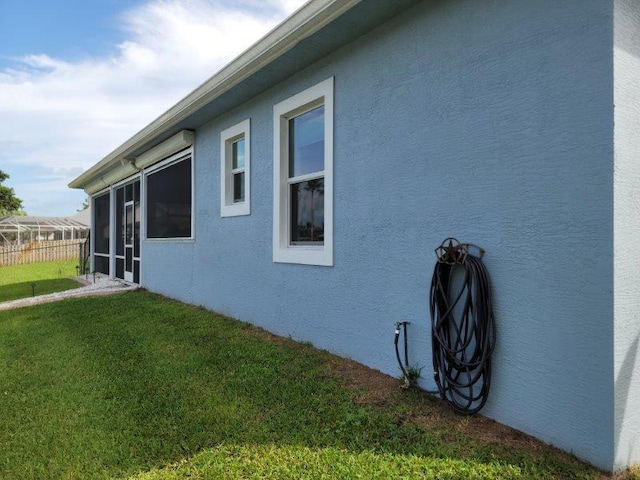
462,327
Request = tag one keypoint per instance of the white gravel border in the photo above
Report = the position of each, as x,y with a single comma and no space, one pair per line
102,285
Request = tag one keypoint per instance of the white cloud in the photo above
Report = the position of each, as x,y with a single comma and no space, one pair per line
64,116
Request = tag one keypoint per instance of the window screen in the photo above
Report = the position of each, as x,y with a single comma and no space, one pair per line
101,223
119,223
101,264
169,201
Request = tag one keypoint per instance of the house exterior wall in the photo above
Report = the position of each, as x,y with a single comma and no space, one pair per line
626,227
487,121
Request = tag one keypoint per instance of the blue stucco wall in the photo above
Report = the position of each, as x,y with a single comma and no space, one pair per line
487,121
626,228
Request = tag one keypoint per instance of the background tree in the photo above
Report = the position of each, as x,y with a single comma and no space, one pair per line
9,203
84,205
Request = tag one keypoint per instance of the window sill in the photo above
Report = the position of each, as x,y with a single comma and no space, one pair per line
311,255
171,240
235,210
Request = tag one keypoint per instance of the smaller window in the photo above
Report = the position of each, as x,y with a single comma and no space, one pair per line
235,164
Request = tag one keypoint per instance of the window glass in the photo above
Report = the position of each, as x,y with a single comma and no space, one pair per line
169,201
307,211
238,154
306,143
101,223
238,187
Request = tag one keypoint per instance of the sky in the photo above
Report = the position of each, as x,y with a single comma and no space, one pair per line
80,77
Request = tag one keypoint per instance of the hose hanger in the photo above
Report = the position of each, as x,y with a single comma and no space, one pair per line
462,326
452,252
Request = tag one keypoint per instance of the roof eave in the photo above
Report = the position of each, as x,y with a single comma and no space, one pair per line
306,21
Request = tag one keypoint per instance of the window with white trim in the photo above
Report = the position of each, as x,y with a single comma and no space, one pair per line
169,198
235,170
303,177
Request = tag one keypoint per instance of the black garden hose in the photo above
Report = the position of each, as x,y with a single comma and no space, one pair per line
462,327
403,368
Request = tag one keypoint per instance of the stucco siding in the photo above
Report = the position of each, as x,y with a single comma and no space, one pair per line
626,229
487,121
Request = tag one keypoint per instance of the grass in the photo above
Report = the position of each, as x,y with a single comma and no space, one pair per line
20,281
138,386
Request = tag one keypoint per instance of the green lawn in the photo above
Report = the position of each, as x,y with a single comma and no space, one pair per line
20,281
139,386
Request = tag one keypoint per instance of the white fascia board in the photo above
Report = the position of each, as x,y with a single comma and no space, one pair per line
306,21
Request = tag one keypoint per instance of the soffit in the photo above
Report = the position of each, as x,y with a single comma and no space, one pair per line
353,24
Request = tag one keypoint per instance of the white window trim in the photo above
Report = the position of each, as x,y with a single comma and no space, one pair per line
185,155
283,251
232,134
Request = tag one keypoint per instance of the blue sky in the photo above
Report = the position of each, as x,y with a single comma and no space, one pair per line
70,30
78,78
